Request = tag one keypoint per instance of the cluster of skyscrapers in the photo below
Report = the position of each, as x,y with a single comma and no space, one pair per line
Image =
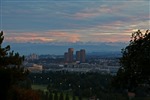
79,57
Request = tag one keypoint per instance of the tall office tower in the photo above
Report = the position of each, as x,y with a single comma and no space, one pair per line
82,55
66,57
70,54
77,55
33,57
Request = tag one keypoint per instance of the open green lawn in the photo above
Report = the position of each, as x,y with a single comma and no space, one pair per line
39,87
44,88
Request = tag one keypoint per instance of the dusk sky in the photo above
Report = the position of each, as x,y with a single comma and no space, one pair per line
42,21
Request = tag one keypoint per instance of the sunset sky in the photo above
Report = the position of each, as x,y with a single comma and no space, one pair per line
43,21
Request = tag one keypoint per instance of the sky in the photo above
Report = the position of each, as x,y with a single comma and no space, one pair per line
72,21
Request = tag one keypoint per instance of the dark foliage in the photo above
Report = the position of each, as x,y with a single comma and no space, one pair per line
67,97
85,84
56,96
50,96
11,71
135,63
61,97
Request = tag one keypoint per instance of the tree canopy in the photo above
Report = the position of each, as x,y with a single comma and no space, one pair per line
11,71
135,62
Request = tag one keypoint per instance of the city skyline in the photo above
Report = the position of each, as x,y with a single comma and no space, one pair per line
78,56
72,21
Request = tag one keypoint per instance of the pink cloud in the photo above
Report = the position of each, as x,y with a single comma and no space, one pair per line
28,39
85,15
61,36
50,36
93,12
64,36
110,37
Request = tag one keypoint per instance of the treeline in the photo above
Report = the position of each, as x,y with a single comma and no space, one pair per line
78,84
64,85
58,96
68,96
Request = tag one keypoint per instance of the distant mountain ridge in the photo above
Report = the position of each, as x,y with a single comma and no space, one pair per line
60,48
109,54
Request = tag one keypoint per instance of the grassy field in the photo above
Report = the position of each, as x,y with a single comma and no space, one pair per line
39,87
44,88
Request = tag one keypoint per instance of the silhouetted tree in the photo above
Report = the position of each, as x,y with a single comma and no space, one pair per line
47,96
61,97
74,98
50,96
10,68
67,97
23,94
80,97
135,63
56,96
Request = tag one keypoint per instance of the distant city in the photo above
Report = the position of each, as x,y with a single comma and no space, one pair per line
72,61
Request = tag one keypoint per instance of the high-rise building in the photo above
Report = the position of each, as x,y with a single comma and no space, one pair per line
70,54
32,57
66,57
77,55
82,56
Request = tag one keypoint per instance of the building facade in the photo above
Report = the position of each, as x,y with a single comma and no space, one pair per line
82,56
66,57
70,55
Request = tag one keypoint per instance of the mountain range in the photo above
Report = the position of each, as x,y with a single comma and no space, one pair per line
57,48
